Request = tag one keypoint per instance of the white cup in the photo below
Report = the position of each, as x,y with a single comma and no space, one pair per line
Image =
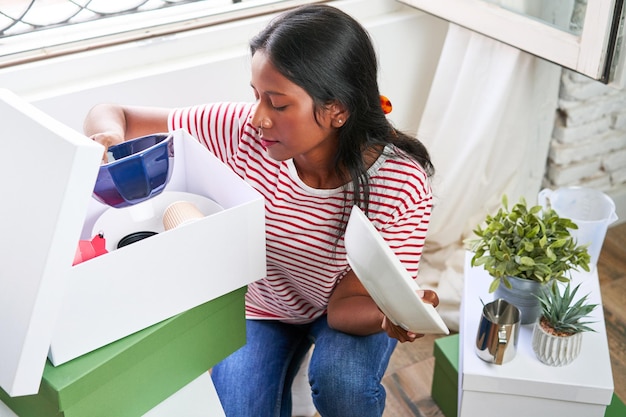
180,213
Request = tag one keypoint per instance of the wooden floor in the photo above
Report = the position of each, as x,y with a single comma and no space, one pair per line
410,373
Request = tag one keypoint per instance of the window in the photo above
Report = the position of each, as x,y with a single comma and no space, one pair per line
36,29
24,16
585,36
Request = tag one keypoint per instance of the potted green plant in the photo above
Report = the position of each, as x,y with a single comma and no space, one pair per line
557,335
524,248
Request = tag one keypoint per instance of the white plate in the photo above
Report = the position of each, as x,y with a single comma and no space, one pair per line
386,279
116,223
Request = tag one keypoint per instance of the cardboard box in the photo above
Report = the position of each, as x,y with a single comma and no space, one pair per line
133,375
446,375
196,399
49,307
445,384
525,386
446,379
616,408
128,289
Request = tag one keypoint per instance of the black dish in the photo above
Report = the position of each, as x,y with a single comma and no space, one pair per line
134,237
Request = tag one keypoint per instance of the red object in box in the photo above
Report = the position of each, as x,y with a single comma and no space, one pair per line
88,249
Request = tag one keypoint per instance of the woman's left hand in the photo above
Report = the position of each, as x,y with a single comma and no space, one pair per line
398,332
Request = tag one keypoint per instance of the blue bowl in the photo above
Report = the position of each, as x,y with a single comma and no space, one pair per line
138,170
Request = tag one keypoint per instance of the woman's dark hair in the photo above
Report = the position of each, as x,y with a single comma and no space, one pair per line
330,55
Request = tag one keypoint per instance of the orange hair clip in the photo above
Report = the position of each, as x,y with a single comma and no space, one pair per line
385,104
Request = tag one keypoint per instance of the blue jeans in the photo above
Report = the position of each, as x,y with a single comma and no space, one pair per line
345,371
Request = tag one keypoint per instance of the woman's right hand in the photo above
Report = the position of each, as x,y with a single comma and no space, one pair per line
110,124
107,139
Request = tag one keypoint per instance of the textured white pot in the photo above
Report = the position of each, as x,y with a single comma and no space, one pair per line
555,350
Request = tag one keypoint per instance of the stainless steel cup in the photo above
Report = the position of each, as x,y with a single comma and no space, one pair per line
498,332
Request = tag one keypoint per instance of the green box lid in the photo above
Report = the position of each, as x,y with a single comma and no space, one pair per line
129,377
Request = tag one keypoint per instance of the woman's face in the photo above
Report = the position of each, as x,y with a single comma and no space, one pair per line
285,113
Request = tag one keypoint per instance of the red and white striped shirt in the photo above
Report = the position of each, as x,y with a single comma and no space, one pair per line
304,258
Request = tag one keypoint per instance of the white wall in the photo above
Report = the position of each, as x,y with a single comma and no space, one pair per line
588,147
213,64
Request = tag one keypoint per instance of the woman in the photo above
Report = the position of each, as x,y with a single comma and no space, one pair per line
314,135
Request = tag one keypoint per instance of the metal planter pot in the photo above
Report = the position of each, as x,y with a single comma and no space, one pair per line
522,295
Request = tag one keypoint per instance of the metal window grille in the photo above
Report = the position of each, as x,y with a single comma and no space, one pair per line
23,16
33,30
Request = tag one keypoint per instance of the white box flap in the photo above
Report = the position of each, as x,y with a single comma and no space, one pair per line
47,173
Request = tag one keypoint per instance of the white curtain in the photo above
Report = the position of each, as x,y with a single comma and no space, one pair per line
487,124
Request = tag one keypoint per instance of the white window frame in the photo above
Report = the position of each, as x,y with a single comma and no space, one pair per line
80,37
587,53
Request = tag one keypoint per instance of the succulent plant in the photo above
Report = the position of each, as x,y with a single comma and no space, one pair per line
560,312
527,242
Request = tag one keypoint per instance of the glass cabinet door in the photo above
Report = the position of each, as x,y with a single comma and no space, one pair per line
582,35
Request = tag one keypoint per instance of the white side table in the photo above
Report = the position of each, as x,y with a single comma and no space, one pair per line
524,386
